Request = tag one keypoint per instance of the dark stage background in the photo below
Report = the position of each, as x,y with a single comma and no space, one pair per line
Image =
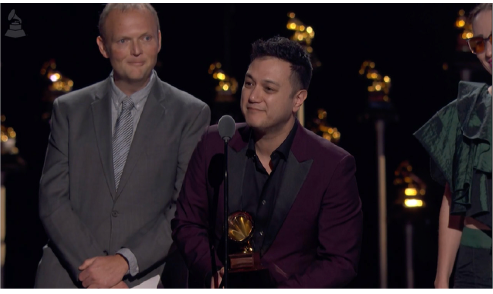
408,42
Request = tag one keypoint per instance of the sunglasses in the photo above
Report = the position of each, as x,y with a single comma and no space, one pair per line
478,44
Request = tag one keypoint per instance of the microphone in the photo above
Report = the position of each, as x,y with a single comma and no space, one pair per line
227,128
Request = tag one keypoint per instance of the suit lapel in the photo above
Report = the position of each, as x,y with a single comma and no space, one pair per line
151,116
101,110
236,166
294,176
236,170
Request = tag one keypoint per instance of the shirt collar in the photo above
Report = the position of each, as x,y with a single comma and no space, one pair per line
136,97
283,149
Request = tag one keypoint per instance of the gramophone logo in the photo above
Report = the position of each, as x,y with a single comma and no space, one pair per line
15,30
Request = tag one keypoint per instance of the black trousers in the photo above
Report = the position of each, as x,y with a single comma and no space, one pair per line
473,268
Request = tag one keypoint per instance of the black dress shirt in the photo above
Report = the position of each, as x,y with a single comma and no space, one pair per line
260,189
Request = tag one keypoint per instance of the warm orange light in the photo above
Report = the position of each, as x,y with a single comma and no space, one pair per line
410,192
413,203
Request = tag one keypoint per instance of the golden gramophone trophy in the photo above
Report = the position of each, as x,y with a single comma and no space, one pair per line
240,231
244,265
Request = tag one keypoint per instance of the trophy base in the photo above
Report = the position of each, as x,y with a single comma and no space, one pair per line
244,262
245,271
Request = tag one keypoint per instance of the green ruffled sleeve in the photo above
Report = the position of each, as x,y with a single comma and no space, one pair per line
458,140
438,136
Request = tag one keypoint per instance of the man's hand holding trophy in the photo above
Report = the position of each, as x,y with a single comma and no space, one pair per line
245,269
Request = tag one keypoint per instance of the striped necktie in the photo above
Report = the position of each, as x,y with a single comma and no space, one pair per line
122,138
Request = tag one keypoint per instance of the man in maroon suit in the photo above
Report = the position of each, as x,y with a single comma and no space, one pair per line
299,188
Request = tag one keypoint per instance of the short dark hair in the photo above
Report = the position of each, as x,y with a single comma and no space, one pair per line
290,51
478,9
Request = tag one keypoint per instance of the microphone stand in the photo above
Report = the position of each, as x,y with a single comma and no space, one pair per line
224,282
226,128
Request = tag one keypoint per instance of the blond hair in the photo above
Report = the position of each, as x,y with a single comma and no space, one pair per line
124,7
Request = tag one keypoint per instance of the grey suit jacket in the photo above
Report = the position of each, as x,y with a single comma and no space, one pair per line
82,213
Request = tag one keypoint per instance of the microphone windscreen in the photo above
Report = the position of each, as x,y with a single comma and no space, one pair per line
226,127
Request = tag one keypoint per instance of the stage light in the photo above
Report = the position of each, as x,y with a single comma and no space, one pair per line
379,87
59,82
319,126
227,86
304,35
410,192
8,139
410,188
465,32
411,203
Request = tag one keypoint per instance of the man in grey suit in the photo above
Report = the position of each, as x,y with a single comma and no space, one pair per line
116,158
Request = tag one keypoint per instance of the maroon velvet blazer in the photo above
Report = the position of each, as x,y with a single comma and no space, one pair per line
314,237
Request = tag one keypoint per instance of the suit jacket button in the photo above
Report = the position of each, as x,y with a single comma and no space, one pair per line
114,213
